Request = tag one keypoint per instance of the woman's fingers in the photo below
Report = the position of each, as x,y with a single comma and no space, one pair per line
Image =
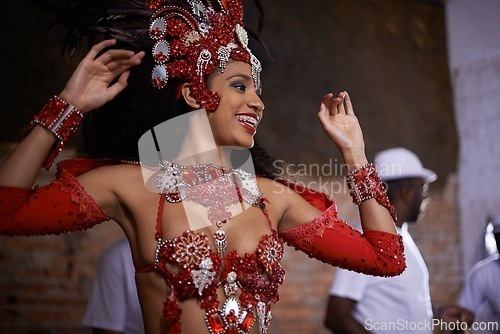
119,85
340,104
349,110
125,63
327,99
335,104
113,55
96,49
123,72
324,111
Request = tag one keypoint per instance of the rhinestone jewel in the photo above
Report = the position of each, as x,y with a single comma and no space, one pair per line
231,287
220,242
242,35
204,276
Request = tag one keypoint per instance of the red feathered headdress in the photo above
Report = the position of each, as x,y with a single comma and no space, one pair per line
194,38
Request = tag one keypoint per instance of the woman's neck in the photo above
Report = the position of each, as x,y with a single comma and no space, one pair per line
220,156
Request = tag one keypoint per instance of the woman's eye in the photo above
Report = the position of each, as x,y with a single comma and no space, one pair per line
240,87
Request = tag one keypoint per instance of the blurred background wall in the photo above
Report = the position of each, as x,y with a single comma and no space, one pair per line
392,57
474,62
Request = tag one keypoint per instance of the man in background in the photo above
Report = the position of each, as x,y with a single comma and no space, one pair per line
481,292
113,306
366,304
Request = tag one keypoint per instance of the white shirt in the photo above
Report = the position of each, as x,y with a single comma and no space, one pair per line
482,290
400,304
113,303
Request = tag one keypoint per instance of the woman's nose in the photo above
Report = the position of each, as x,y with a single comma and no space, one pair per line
257,104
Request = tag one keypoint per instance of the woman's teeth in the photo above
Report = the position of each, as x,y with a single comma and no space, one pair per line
252,121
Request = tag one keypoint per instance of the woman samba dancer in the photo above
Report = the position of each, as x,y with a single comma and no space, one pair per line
206,234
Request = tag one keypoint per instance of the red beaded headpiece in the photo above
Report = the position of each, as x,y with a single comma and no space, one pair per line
193,38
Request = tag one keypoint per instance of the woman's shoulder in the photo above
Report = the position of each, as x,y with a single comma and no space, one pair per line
270,187
284,188
109,181
79,166
112,174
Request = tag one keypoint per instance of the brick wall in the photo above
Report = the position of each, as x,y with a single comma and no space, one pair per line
44,281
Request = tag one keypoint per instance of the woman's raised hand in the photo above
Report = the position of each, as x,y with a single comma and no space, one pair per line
337,117
91,85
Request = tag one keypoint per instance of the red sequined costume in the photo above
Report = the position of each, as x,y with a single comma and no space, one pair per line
250,282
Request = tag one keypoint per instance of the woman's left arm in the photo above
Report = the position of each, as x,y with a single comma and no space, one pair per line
379,250
310,224
342,127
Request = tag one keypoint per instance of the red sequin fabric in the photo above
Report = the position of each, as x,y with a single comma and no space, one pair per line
329,239
60,207
60,118
365,183
250,282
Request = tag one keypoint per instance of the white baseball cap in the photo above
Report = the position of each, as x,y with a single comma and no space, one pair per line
400,163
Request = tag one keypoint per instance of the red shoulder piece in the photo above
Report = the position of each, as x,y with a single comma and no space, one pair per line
316,198
329,239
62,206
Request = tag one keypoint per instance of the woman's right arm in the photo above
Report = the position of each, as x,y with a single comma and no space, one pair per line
97,80
88,88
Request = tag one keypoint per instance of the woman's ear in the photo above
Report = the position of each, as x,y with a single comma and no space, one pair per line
188,96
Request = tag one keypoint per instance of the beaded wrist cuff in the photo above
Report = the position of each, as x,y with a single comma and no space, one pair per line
364,183
60,118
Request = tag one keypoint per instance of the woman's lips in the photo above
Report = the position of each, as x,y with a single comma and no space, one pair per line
248,121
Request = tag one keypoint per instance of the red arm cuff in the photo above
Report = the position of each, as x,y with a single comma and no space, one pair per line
330,240
62,206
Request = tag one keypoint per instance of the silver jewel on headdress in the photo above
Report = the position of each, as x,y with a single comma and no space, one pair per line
161,52
203,61
204,276
158,28
191,37
204,28
159,76
223,55
198,9
242,35
256,69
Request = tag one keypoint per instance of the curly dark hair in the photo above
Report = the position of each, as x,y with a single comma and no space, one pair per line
113,130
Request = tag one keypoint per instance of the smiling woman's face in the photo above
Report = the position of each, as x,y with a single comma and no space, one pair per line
235,121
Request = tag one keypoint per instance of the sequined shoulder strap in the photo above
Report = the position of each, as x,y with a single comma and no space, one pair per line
262,205
158,234
161,204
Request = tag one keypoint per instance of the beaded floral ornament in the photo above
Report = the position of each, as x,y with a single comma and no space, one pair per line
194,38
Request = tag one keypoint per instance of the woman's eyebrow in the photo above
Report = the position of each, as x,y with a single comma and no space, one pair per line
243,76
